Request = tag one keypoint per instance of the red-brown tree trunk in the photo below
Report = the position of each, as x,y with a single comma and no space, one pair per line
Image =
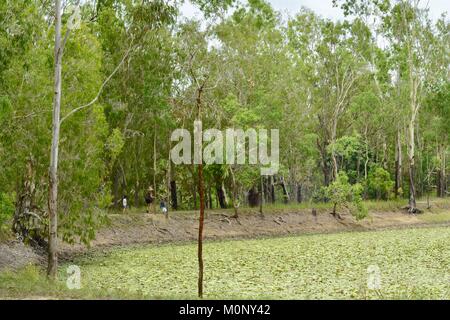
201,192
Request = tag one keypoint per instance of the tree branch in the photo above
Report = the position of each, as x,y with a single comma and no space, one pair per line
100,90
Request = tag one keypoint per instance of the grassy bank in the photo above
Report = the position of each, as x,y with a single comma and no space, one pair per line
32,283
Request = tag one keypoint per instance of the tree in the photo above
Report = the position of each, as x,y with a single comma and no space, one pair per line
409,30
379,183
157,11
53,171
198,66
334,69
344,195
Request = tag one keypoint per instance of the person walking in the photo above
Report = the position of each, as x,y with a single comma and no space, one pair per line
163,208
124,203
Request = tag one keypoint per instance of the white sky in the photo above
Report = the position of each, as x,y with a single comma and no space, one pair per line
325,7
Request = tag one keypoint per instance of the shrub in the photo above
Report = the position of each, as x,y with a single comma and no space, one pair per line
379,184
320,196
344,195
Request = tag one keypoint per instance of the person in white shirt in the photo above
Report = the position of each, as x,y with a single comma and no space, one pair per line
163,208
124,203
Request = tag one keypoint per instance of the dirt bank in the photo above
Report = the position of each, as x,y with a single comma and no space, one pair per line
15,255
146,229
135,229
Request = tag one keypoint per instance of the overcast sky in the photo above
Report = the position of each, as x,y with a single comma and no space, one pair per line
325,7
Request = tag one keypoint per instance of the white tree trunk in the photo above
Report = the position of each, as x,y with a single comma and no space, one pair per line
411,144
53,170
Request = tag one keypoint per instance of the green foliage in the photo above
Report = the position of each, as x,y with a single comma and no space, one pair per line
7,208
213,7
330,89
379,183
114,144
344,195
439,102
5,110
348,150
25,118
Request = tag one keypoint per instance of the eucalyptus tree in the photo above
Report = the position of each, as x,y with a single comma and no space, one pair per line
438,100
409,30
156,11
139,107
330,54
257,93
24,84
368,24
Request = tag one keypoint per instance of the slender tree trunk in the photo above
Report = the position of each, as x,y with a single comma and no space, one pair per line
210,198
385,155
194,195
412,188
333,154
324,163
414,108
200,230
201,192
439,191
154,168
217,198
272,189
299,193
173,192
266,189
261,198
438,175
137,187
366,161
116,189
235,194
441,178
221,196
285,191
168,181
53,170
444,173
398,163
137,198
253,197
